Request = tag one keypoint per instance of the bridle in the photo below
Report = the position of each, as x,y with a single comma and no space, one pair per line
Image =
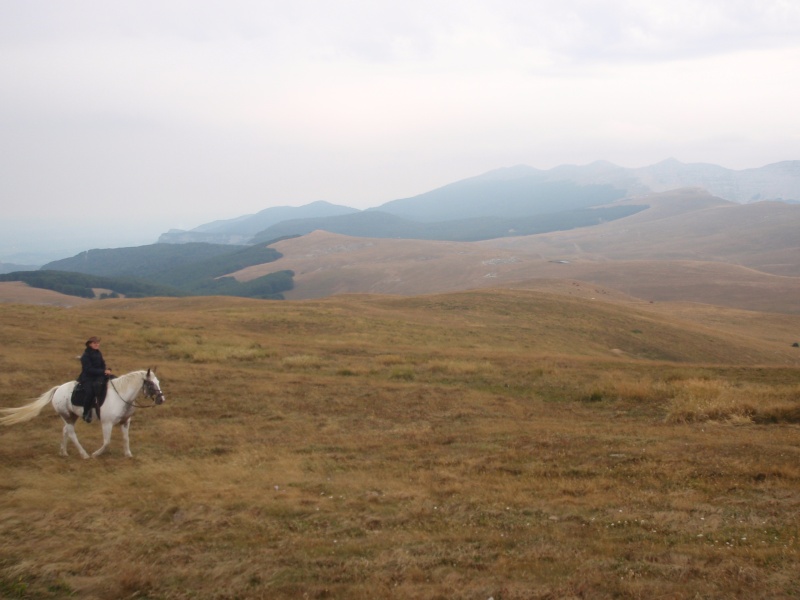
152,391
149,389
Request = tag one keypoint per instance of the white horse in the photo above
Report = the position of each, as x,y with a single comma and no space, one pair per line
117,409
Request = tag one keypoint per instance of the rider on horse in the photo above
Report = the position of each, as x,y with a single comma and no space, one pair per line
93,377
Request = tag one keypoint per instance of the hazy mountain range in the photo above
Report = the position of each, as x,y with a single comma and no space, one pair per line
497,203
583,236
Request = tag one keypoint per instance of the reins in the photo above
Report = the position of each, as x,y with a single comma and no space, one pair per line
133,402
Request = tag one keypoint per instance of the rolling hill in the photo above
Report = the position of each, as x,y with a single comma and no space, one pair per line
688,246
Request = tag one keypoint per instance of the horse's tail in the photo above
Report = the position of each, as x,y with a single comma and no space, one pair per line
27,412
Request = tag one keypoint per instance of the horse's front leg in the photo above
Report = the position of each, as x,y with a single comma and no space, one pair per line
107,425
125,426
69,434
64,440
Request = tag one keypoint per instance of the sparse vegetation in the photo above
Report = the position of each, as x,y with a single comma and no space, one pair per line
431,447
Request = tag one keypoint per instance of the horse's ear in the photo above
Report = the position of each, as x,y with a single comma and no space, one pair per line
148,373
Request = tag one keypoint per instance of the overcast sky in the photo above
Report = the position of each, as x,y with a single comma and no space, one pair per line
120,120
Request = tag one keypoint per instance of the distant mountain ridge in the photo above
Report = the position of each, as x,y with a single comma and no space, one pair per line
510,197
11,267
380,224
514,192
777,181
242,229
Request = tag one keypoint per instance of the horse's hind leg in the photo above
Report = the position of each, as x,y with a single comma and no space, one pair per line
64,440
107,425
69,434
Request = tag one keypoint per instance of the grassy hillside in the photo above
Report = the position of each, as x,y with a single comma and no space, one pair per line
18,292
507,444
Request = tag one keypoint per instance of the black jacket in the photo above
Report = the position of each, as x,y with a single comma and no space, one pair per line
93,367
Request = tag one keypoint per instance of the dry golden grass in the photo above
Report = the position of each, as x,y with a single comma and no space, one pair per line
17,292
503,444
715,400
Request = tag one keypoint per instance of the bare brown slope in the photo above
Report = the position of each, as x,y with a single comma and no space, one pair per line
327,264
17,292
682,225
688,246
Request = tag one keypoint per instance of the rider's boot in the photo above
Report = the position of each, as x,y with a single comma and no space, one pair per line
87,411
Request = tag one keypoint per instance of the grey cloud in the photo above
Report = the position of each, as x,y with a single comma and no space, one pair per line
646,31
571,30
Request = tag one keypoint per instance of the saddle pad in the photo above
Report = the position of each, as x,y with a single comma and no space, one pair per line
78,394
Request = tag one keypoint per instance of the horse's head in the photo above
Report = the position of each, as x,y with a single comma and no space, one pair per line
152,388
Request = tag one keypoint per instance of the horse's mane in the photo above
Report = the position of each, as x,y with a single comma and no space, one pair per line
129,383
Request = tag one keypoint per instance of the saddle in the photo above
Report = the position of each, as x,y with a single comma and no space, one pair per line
88,391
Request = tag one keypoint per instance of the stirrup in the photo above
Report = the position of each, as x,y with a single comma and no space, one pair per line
87,416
